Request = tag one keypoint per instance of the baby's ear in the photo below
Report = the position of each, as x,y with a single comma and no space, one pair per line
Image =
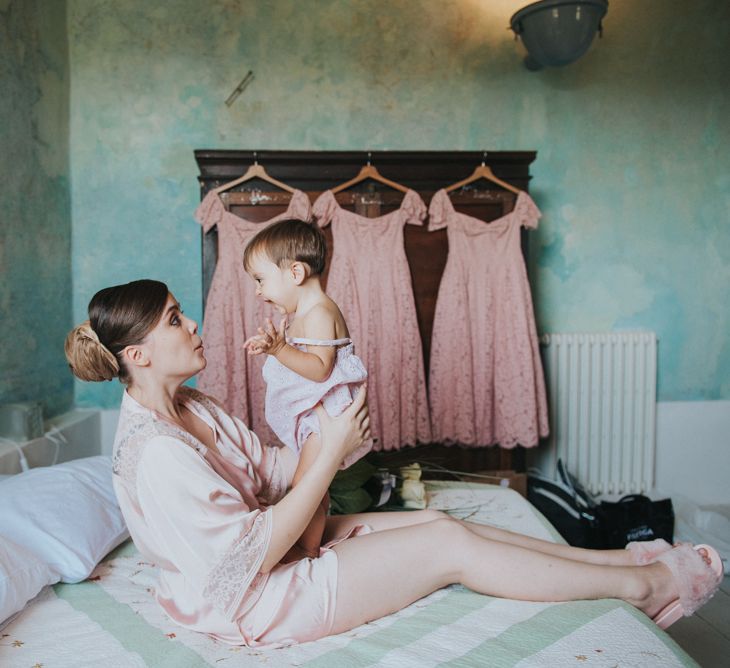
299,271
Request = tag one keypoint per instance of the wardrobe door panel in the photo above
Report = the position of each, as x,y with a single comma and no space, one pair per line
423,171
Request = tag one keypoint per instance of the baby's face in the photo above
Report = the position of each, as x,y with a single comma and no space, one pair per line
273,284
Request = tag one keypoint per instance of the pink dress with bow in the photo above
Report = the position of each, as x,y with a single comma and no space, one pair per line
370,281
486,381
233,313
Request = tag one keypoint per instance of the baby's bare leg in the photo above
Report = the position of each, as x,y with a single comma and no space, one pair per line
310,541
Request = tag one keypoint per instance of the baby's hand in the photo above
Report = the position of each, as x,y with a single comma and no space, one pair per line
255,345
269,340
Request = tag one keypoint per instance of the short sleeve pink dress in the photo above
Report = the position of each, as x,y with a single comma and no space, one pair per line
370,281
486,381
233,313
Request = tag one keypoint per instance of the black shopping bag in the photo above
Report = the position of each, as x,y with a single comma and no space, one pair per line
635,517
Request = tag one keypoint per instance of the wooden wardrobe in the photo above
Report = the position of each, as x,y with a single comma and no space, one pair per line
423,171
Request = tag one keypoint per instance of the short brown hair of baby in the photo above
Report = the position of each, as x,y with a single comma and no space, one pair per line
289,240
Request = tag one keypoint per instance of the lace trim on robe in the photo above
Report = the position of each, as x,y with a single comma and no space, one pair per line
139,429
237,573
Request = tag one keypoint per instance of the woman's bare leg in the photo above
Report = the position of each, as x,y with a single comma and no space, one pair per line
379,521
487,566
601,557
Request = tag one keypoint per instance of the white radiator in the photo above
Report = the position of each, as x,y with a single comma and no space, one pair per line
602,398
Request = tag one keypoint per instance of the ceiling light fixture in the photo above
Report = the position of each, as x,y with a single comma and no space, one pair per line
557,32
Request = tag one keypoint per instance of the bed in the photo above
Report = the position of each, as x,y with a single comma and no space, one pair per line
111,619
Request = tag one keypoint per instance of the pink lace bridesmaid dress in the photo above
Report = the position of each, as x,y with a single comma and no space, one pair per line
370,281
486,382
233,313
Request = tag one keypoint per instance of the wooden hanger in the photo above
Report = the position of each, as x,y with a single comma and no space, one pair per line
255,171
369,172
483,171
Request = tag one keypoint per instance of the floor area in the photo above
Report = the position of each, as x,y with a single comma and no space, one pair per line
705,636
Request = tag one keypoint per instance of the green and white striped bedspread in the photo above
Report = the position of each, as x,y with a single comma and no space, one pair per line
112,620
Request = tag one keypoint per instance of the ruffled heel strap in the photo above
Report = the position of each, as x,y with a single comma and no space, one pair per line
646,551
696,581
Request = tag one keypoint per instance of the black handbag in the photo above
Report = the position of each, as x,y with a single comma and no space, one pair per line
574,517
635,517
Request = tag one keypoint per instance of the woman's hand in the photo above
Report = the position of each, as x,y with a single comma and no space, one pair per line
345,433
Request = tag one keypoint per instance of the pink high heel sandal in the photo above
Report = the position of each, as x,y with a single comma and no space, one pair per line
697,581
646,551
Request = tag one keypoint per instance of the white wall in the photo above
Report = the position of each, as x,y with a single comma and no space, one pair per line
692,453
80,431
693,450
108,418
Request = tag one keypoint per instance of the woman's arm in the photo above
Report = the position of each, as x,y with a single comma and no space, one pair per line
339,437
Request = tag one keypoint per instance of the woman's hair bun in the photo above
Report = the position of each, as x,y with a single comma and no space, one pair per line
88,358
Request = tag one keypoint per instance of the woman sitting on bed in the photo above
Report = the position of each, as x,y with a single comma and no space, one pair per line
211,506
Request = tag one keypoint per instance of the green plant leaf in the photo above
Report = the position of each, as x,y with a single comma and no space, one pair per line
350,501
353,477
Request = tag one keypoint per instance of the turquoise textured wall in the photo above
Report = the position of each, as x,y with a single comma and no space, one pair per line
632,173
35,209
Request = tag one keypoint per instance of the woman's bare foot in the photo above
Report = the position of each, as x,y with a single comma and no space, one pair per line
705,555
657,589
685,574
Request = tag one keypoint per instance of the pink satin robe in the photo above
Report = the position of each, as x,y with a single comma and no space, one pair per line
204,519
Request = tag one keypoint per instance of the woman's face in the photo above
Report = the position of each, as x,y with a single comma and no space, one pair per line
173,347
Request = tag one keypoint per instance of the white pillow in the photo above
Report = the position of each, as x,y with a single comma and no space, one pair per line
67,515
22,576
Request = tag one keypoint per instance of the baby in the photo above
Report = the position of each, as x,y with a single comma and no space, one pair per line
311,360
